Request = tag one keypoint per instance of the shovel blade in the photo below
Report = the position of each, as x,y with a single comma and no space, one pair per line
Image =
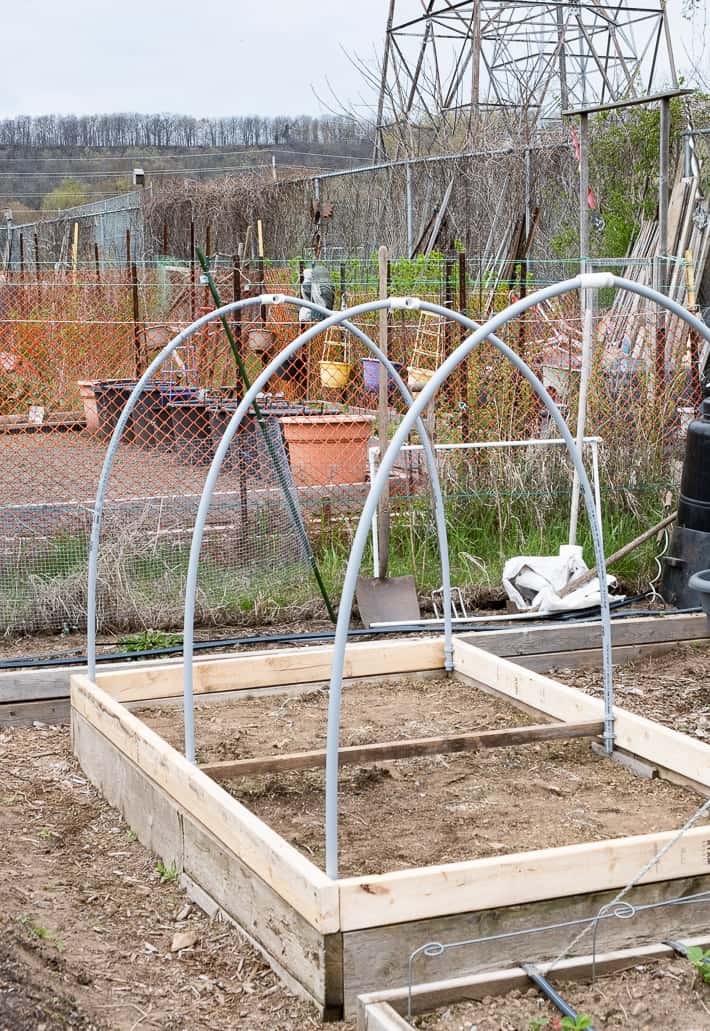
393,599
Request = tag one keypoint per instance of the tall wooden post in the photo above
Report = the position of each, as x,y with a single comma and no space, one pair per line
662,284
237,316
463,333
192,268
137,348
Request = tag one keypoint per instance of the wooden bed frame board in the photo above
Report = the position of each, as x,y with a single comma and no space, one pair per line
282,667
352,927
380,1011
42,693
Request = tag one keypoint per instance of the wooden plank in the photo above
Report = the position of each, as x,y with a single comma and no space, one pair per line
543,638
591,658
425,892
427,997
26,685
404,749
23,714
375,960
282,932
379,1016
222,880
280,865
678,752
148,811
273,668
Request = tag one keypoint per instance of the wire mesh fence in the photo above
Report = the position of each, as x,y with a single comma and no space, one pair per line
72,345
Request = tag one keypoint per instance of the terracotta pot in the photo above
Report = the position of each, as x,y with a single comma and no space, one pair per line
88,399
327,449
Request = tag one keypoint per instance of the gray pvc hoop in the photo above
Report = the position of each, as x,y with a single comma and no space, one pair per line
585,281
117,434
334,319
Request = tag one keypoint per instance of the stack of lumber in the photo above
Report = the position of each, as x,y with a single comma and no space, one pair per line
631,324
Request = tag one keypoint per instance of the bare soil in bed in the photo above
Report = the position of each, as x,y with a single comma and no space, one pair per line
664,996
472,805
673,688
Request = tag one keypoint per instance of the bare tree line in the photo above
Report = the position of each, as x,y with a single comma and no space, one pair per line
176,130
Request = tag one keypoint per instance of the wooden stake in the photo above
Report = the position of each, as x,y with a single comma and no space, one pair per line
137,349
74,250
237,317
463,381
585,578
192,269
262,285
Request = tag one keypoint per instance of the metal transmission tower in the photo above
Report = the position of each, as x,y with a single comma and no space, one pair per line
447,63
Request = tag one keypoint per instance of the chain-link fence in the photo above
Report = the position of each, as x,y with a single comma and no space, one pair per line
72,345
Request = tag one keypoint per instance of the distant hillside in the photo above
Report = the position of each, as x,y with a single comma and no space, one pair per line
97,153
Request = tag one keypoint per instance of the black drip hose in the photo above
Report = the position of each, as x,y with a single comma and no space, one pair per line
78,659
546,988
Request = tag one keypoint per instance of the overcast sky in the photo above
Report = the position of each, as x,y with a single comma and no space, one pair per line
213,57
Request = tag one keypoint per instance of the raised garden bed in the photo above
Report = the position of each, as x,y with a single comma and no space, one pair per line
645,988
335,939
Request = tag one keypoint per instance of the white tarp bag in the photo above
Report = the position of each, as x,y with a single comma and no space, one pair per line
534,581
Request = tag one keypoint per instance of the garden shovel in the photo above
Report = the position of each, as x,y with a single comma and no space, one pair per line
385,599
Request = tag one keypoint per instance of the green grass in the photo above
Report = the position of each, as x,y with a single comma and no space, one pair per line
36,930
142,583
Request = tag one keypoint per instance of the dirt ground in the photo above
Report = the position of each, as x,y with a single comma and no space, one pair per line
673,689
73,645
666,996
87,927
470,803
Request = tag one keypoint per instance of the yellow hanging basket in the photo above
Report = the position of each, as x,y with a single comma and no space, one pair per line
335,374
335,364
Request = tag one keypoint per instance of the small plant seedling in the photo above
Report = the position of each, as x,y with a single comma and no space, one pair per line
700,960
37,931
168,874
561,1023
46,834
131,836
149,639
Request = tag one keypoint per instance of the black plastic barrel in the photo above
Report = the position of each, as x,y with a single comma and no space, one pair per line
689,550
694,503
